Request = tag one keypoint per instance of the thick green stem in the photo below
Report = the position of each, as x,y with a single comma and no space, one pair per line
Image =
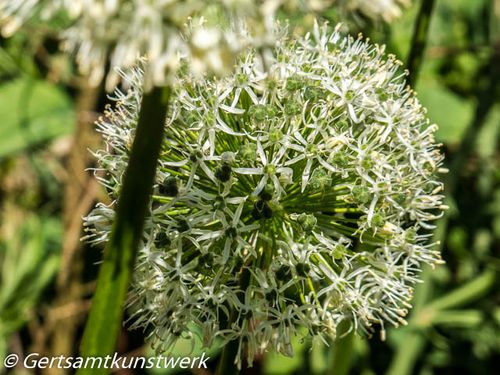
342,352
104,322
226,365
404,361
419,40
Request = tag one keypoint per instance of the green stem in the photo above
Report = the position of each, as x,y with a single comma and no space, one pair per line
104,322
458,318
435,310
486,101
342,352
419,40
404,360
226,365
471,291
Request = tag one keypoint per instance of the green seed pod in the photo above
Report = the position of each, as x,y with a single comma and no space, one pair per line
294,83
320,180
307,222
361,194
247,152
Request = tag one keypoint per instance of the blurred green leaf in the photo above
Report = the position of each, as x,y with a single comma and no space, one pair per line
319,357
185,347
450,112
33,112
278,364
488,137
28,262
458,318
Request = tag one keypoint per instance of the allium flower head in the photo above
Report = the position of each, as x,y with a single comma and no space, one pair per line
162,30
286,198
377,10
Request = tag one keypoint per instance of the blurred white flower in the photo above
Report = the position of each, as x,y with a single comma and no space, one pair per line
289,197
377,10
121,31
388,10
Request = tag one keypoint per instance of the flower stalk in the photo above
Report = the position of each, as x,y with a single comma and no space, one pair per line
105,318
342,351
419,40
226,364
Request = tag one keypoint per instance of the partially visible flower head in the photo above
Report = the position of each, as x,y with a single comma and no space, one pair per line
289,197
124,30
377,10
353,10
13,14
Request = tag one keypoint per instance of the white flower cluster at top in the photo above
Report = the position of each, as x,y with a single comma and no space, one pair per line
377,10
297,196
162,30
348,10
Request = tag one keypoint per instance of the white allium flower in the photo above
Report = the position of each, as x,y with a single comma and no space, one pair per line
293,197
124,30
12,14
386,10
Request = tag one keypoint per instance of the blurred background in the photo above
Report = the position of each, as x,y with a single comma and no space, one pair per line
47,275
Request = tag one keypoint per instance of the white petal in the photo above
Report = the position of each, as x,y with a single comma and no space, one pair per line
249,171
234,110
176,163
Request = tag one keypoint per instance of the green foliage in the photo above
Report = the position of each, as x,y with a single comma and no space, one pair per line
28,262
455,324
33,112
452,121
185,347
103,325
277,364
